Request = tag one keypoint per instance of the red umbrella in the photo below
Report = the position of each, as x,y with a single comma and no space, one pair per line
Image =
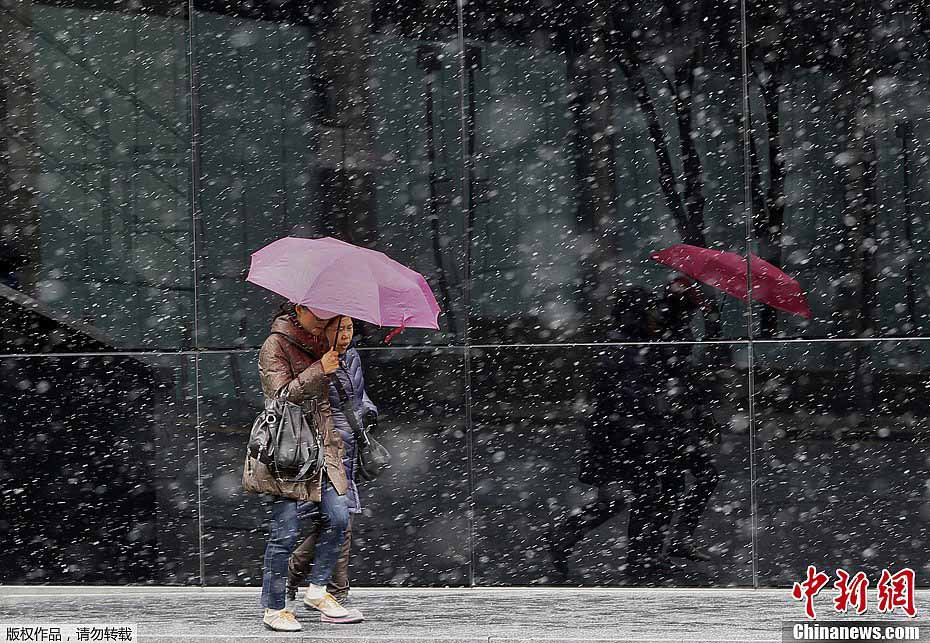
726,271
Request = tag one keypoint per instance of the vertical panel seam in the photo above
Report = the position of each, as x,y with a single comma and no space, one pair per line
750,365
195,214
466,321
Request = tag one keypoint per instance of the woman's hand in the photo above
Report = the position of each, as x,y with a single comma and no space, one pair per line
330,362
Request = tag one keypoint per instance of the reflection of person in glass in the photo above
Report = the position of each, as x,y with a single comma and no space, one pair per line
339,332
302,371
691,423
646,432
625,437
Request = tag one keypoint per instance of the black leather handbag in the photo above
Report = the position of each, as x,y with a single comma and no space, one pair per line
373,458
284,440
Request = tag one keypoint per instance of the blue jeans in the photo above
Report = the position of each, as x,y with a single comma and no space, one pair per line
286,515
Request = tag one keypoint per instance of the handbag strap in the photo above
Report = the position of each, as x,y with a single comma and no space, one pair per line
348,409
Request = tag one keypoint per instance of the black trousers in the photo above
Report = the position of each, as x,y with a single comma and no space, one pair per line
301,562
690,502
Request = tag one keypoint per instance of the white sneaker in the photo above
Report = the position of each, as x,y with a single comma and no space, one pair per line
328,605
281,621
353,616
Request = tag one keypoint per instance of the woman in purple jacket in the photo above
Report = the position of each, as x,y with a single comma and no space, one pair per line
339,332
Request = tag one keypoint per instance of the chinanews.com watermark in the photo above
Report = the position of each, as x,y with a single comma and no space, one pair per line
893,597
853,631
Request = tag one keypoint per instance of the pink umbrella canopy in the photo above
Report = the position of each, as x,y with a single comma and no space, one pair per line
726,271
338,277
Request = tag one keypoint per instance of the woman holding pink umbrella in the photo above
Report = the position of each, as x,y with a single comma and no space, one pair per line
294,359
320,275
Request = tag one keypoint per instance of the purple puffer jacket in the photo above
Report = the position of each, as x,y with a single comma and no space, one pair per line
353,381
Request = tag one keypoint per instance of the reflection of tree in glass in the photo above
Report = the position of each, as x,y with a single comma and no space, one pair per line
634,46
429,61
860,52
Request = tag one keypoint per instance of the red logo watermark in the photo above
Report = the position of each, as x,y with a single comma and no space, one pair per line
894,591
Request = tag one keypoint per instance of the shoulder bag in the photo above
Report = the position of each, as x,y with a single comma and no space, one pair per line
285,441
373,457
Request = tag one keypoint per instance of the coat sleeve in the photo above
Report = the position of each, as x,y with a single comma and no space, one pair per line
276,373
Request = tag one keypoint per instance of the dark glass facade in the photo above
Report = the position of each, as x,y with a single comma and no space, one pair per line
527,158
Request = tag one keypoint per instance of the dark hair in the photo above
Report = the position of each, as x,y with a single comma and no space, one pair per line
631,314
286,309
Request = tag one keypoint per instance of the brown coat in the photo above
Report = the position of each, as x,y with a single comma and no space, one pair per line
281,364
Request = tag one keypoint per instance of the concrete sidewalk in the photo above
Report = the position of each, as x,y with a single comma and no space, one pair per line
462,615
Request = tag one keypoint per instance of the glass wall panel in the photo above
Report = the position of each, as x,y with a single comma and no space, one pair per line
414,527
840,132
610,465
94,174
547,156
600,133
98,471
326,121
841,457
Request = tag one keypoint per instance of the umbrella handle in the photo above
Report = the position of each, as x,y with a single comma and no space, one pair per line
336,336
333,376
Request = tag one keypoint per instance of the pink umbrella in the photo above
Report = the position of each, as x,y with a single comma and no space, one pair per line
332,276
726,271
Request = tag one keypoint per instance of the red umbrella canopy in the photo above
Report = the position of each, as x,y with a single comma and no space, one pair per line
726,271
